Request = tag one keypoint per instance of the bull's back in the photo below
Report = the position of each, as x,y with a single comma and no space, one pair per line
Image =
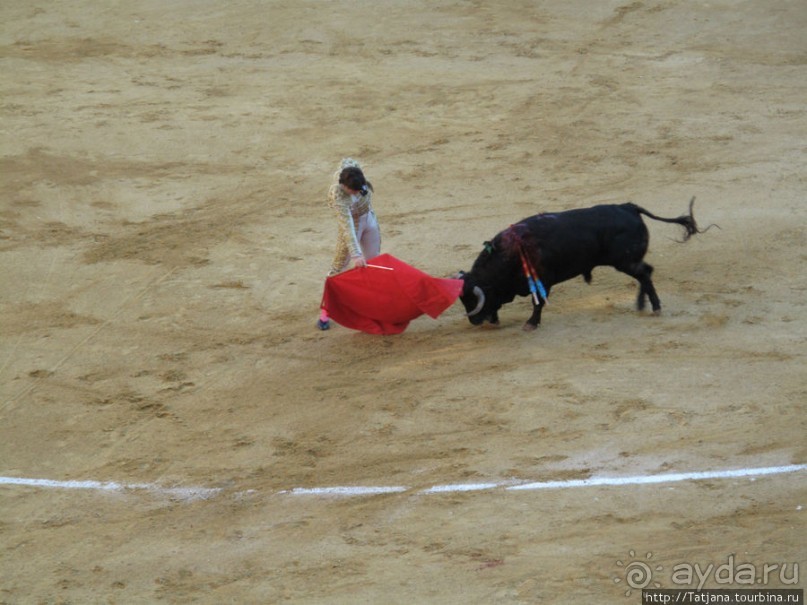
573,242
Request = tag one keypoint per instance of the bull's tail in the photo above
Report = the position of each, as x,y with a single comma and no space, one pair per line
687,221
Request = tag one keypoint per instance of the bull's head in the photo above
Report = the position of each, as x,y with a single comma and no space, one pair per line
480,297
477,306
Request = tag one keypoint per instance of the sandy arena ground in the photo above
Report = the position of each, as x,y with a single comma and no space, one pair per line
164,240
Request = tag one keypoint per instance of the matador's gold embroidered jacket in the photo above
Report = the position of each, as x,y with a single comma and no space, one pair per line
348,212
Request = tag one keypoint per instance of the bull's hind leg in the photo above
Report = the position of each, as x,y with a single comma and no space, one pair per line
641,272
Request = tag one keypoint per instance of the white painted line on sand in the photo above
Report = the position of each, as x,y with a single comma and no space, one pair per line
667,478
182,493
461,487
201,493
346,491
561,484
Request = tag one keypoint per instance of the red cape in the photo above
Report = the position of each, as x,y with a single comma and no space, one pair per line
385,296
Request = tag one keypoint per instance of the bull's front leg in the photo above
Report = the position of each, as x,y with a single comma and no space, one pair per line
535,318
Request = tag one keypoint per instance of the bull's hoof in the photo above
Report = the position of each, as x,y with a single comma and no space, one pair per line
656,312
528,327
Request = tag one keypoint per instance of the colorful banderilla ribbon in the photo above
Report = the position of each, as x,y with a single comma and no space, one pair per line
536,287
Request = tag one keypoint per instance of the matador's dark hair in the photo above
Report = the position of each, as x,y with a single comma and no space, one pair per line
353,178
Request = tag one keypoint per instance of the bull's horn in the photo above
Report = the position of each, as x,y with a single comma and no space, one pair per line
480,301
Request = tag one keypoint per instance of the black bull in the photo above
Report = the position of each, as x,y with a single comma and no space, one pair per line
557,247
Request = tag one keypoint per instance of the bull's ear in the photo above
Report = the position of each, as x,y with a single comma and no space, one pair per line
488,246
